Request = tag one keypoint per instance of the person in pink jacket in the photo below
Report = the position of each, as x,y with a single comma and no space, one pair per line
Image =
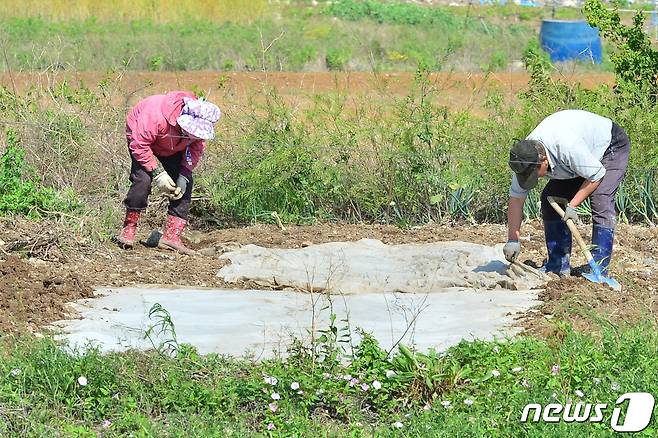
165,134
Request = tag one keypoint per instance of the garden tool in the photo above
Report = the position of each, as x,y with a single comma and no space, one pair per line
153,239
520,270
596,276
521,267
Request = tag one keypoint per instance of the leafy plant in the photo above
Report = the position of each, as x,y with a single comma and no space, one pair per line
163,328
635,59
338,58
20,192
389,12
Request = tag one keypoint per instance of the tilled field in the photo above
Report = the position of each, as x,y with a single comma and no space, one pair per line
41,273
231,90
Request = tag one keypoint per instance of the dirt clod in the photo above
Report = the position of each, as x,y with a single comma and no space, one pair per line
31,295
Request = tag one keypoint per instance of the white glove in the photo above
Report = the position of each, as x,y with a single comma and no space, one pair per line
163,181
512,249
570,213
181,188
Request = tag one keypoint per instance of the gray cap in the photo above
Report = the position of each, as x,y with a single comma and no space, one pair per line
524,161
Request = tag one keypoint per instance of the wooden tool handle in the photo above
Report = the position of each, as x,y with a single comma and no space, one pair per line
574,230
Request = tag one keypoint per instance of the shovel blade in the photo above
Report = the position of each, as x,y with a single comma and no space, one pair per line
153,239
601,279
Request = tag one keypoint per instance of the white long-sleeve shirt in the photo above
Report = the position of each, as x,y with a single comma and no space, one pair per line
575,142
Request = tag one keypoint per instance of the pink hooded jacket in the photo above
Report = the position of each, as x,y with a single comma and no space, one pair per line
151,129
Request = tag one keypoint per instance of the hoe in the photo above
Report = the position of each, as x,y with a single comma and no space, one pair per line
596,276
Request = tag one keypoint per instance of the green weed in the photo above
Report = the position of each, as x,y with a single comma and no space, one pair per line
20,192
476,388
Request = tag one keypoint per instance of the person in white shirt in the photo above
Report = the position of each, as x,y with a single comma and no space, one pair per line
585,156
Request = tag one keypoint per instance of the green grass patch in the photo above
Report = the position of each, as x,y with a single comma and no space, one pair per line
387,37
331,387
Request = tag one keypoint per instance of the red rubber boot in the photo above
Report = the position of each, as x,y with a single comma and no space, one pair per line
126,238
171,237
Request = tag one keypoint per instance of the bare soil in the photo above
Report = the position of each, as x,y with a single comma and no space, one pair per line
456,90
43,266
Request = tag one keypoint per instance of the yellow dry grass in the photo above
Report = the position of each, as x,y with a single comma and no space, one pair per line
162,11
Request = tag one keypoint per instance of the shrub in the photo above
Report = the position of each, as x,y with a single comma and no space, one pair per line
20,192
635,60
337,58
391,12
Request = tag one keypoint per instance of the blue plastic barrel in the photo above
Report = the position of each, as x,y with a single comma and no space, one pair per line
567,40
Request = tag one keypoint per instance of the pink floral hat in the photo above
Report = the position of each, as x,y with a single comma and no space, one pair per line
198,118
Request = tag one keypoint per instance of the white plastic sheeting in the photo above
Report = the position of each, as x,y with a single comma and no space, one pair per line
264,322
427,296
371,266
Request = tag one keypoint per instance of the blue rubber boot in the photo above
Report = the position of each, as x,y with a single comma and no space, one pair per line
602,241
558,244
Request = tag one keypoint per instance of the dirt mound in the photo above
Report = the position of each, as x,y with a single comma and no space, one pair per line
29,296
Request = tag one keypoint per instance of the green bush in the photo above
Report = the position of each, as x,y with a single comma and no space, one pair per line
20,192
635,59
391,12
338,58
276,170
411,160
